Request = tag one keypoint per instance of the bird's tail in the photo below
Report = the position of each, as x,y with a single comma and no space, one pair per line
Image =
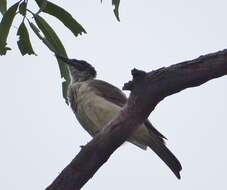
165,154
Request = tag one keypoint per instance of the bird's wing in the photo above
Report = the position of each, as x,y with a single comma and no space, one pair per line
116,96
109,92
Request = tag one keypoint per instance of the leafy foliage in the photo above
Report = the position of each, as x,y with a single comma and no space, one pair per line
24,43
5,25
42,30
65,17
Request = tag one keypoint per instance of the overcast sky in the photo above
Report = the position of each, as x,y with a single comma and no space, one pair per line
39,134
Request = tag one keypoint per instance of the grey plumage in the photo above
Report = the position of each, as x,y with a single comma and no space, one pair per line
95,103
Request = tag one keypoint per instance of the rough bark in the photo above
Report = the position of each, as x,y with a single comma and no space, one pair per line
147,90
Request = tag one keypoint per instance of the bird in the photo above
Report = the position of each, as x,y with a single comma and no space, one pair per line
95,103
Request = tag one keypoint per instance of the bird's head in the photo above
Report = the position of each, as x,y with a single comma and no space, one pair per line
80,70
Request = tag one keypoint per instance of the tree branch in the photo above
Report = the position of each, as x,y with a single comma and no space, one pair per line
190,73
147,90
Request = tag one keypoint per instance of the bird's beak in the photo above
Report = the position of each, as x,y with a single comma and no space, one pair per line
72,62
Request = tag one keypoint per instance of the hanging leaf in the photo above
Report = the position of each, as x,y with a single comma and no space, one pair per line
24,43
5,25
38,34
64,16
116,4
22,8
58,48
3,6
53,39
42,5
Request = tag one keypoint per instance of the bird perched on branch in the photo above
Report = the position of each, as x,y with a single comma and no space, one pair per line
95,103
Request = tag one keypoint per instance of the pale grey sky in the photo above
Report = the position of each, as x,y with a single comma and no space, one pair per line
39,134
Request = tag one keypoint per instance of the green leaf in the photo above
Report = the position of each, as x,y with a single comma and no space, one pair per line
116,4
37,32
3,6
24,43
64,16
43,4
58,48
5,25
53,39
22,8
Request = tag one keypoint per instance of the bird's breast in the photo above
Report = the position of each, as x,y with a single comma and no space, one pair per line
92,110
